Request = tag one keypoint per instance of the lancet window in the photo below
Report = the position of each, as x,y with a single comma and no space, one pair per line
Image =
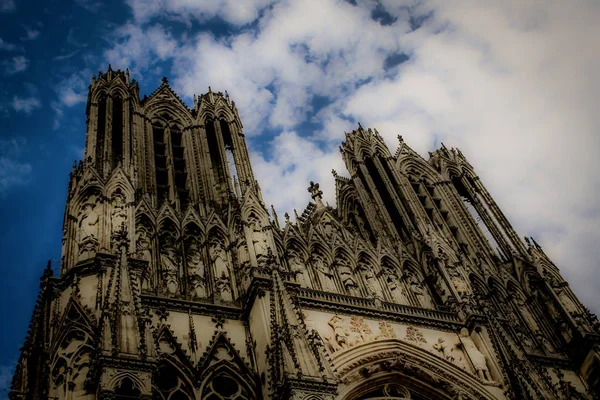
170,163
169,384
101,129
117,131
224,387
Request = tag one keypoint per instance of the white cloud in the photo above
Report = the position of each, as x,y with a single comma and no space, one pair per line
15,65
9,46
139,48
30,34
26,104
7,5
12,171
513,84
70,91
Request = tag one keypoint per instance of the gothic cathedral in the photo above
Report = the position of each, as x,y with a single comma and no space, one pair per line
177,282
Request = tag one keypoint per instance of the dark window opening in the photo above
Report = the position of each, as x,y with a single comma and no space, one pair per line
215,156
228,141
117,131
396,187
179,166
160,162
387,198
101,129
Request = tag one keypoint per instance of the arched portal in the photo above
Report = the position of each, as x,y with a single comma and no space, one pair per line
393,369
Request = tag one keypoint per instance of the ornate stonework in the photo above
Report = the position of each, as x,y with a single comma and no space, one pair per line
176,281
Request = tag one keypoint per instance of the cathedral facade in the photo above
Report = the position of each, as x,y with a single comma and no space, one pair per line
177,282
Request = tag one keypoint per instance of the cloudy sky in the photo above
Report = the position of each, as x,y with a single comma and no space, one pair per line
513,84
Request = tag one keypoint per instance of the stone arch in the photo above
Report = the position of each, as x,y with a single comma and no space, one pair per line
419,291
225,383
126,385
174,109
366,366
170,382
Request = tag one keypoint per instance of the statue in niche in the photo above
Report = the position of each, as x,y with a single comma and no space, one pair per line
415,286
298,268
119,212
371,283
325,276
142,244
347,277
477,357
396,289
525,340
143,252
243,256
259,240
526,314
218,256
88,229
196,270
328,229
168,261
223,286
457,281
544,343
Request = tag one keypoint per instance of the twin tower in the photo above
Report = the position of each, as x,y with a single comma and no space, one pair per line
176,282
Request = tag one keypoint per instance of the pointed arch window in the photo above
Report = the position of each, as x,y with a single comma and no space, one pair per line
228,142
224,387
160,161
101,129
169,384
179,164
117,131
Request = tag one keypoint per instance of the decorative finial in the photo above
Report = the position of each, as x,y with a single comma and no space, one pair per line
209,90
360,126
109,67
400,139
334,172
165,80
287,217
316,194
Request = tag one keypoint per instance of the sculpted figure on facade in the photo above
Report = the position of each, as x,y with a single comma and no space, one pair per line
169,265
218,257
415,335
347,277
477,357
325,275
223,287
371,283
259,240
298,268
396,288
342,337
359,326
89,228
118,212
423,298
196,270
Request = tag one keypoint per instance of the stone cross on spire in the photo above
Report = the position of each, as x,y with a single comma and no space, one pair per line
316,194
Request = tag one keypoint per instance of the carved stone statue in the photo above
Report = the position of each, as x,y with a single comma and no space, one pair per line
118,213
196,270
168,261
347,277
342,337
298,268
396,289
371,282
259,240
88,230
223,286
325,276
477,357
415,286
218,256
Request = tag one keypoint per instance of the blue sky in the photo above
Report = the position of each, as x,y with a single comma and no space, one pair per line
513,85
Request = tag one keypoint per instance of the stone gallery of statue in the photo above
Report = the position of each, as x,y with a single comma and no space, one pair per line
177,282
